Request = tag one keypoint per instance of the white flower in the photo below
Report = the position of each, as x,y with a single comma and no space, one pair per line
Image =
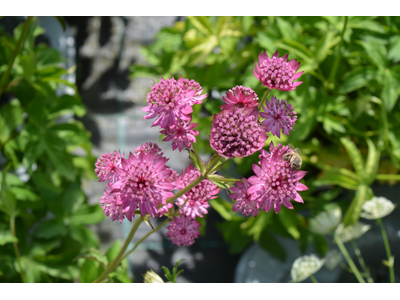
376,208
325,222
305,266
152,277
333,259
351,232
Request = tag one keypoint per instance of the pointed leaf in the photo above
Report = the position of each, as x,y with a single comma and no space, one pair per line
372,163
352,215
355,156
390,92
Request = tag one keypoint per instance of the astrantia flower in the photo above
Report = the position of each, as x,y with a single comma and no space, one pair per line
243,203
195,202
277,73
332,259
143,182
326,221
275,182
305,266
278,115
181,133
106,164
240,96
152,277
351,232
236,133
376,208
170,100
183,230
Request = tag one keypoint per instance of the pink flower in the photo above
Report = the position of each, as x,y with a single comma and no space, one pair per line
170,100
106,164
183,230
143,181
275,182
181,133
195,202
240,96
244,204
278,115
277,73
237,133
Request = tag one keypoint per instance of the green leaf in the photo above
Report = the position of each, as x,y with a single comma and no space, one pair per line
356,79
202,24
41,247
95,255
376,51
50,229
47,56
321,244
112,253
324,45
67,272
196,160
352,215
11,113
291,222
269,243
6,236
372,163
234,235
72,198
224,208
90,270
286,29
8,202
221,182
61,21
355,156
367,25
88,215
84,236
394,49
28,63
331,123
333,178
389,92
260,224
175,273
24,194
247,22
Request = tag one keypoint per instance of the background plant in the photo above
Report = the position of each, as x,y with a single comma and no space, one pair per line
348,128
45,154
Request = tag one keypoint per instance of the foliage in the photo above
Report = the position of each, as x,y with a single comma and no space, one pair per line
349,118
45,155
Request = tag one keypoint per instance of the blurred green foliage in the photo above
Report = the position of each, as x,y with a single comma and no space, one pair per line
349,115
44,156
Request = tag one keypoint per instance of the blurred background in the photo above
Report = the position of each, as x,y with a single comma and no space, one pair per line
88,94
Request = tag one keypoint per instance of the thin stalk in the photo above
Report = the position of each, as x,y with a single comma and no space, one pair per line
188,188
313,279
387,248
12,225
264,98
361,261
348,258
338,56
4,79
143,238
111,266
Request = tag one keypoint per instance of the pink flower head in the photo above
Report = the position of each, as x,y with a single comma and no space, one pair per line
106,164
244,203
195,202
278,115
277,73
240,96
170,100
275,182
237,133
181,133
183,230
143,182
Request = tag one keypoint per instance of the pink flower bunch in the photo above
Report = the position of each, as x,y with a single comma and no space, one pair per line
278,115
171,102
142,181
195,202
277,73
236,131
274,183
183,230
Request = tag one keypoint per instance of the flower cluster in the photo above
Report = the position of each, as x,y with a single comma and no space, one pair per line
142,181
183,230
277,73
171,102
274,184
195,202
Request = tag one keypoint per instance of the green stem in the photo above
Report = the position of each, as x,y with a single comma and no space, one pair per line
12,225
264,98
188,188
111,266
338,56
4,79
361,261
348,258
388,177
387,247
145,237
313,279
